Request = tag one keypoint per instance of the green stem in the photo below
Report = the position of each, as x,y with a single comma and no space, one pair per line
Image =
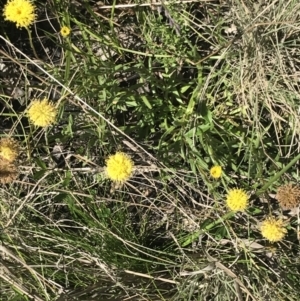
31,44
278,175
193,236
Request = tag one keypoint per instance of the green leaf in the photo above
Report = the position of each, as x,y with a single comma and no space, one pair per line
39,174
146,102
40,163
67,179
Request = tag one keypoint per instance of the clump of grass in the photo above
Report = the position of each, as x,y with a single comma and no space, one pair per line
177,88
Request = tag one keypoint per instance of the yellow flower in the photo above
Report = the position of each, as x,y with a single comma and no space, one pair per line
237,199
65,31
20,12
9,149
119,167
273,229
42,112
216,171
8,172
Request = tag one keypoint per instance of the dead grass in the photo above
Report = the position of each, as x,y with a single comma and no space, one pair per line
223,91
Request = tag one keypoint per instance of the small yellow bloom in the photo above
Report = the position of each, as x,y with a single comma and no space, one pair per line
65,31
41,112
237,199
20,12
9,149
119,167
273,229
216,171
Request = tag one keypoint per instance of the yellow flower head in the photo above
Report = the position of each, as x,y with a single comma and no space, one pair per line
216,171
65,31
20,12
42,112
8,172
273,229
119,167
9,149
237,199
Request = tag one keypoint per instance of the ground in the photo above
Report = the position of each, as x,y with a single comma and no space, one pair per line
178,87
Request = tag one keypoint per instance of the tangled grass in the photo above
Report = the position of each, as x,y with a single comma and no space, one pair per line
178,88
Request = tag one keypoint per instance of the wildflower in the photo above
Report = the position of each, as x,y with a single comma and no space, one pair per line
9,149
119,167
237,199
288,196
273,229
8,172
216,171
20,12
42,112
65,31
